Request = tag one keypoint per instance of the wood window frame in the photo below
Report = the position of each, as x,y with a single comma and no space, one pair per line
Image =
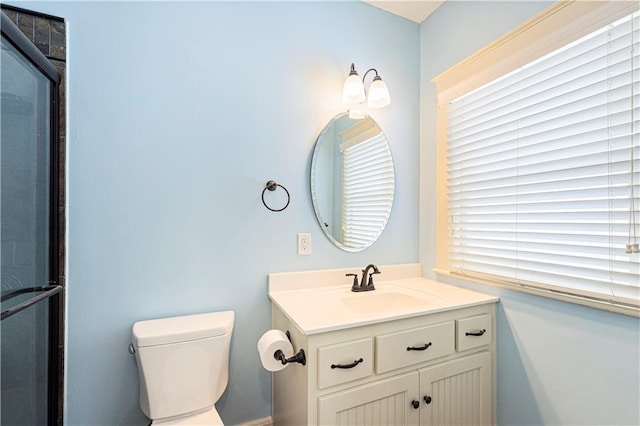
558,25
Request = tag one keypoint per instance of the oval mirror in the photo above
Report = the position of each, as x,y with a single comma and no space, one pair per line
352,181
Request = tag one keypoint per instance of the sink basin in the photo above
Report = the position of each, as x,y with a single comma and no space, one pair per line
375,301
383,299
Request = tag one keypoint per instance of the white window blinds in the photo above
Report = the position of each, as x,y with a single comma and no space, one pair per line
544,171
368,187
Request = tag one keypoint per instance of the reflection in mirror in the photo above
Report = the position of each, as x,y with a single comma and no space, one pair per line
352,181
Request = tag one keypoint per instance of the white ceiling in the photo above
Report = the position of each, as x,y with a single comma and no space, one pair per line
416,10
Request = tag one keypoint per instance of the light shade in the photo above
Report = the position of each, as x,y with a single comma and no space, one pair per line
353,90
378,94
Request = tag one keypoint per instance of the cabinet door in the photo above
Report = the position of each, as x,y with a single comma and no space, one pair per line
457,392
383,402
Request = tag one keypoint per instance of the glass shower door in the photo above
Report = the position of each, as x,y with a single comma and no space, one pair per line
29,297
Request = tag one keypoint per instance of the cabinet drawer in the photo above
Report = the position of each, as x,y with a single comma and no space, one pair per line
344,362
473,332
396,350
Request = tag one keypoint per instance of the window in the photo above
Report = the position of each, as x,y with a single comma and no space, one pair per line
542,176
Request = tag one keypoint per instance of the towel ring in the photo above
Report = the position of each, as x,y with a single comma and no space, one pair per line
272,186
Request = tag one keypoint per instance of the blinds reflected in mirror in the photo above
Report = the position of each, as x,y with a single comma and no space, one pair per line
368,186
544,168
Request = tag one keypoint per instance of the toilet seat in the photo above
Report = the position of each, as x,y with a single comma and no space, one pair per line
209,417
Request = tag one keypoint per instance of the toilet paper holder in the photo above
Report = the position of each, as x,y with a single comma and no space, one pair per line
299,357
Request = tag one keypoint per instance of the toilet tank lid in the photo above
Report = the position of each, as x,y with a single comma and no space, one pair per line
182,329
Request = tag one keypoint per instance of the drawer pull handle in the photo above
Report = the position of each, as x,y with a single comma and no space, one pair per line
475,333
353,364
419,348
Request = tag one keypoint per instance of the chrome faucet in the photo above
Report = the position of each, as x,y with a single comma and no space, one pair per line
365,285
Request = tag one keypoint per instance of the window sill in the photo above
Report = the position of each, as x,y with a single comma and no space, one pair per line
579,300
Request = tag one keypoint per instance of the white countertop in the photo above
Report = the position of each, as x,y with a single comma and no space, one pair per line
321,301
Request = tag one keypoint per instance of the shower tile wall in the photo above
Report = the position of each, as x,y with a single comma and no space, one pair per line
19,176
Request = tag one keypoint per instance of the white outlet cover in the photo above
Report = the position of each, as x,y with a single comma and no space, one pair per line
304,243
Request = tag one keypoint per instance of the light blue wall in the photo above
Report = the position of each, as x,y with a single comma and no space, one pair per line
558,363
179,113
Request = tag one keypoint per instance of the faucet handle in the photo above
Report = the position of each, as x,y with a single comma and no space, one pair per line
370,282
355,280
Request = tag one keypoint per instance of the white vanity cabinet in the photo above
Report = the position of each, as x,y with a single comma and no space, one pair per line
432,369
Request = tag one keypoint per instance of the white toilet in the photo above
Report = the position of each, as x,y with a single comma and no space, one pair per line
183,365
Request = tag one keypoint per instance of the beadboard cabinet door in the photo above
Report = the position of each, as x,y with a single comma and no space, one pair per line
457,392
383,402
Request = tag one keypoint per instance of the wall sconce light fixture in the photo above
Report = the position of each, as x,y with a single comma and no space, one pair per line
353,92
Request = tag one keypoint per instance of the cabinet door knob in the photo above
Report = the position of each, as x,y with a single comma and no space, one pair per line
427,399
415,404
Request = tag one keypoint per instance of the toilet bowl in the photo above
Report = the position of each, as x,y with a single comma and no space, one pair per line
183,367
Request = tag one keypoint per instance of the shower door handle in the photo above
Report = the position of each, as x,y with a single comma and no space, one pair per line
49,291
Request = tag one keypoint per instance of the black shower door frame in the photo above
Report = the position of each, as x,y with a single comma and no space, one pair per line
53,291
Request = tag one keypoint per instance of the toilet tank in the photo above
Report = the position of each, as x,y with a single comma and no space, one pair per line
183,362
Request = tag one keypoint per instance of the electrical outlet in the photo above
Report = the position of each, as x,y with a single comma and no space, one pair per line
304,243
